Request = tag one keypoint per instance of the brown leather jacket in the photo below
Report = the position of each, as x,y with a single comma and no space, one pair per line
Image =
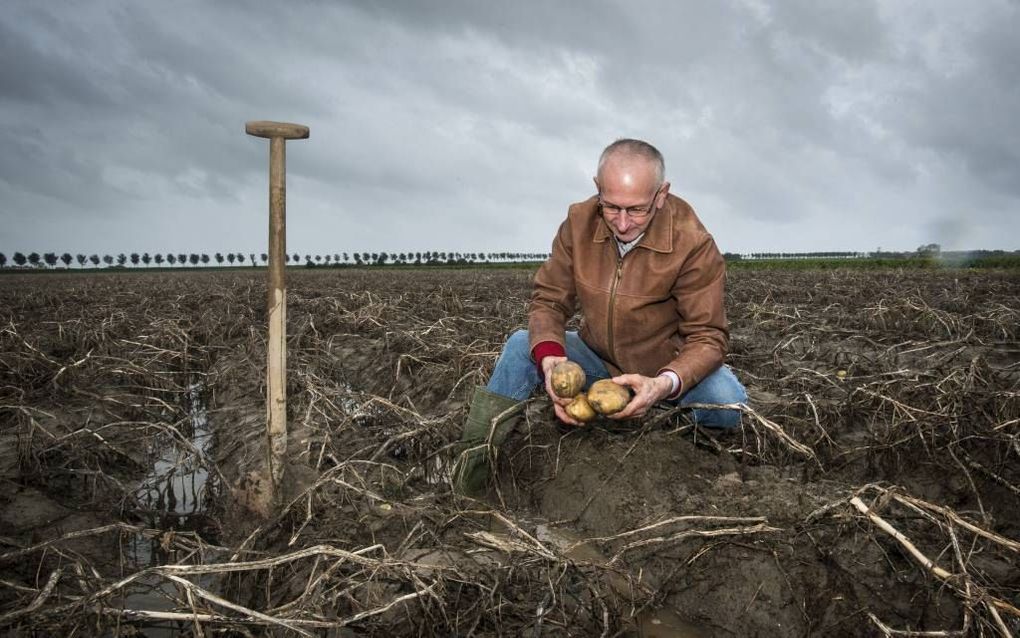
659,307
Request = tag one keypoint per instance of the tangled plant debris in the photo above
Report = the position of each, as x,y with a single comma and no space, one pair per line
872,489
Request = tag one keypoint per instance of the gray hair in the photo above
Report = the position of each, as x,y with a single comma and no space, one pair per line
635,148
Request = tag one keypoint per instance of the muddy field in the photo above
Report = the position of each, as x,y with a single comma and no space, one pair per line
873,489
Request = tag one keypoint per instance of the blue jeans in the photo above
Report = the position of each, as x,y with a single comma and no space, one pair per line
516,377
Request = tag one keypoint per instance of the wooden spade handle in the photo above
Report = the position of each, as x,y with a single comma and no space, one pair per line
276,303
284,130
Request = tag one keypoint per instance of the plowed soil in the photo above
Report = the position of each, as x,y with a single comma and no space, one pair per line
873,486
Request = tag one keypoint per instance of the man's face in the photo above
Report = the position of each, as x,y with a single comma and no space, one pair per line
630,196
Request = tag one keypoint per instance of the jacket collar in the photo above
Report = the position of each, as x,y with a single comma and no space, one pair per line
659,234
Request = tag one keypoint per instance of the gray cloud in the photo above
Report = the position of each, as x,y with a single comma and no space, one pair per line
471,126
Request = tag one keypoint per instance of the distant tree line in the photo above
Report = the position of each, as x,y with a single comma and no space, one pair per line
51,260
925,251
429,257
814,255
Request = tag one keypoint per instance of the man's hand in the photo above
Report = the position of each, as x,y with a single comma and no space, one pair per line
559,403
647,392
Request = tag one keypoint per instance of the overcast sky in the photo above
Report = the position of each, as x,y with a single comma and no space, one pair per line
790,125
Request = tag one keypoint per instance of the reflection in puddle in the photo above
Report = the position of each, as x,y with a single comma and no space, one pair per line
176,484
357,407
174,491
440,472
171,497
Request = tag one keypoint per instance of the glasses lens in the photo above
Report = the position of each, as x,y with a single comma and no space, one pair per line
637,213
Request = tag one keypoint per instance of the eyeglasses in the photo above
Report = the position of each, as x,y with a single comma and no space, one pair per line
635,213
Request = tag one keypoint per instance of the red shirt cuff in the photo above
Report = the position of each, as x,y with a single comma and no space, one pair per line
546,349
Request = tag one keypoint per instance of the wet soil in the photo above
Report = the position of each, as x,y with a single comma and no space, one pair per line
907,381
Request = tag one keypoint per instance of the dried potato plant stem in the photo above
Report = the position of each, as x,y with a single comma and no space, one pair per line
769,425
958,582
760,528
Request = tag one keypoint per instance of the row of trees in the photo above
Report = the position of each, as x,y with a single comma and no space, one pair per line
365,258
924,250
814,255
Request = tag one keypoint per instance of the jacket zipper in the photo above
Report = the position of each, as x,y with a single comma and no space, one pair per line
612,305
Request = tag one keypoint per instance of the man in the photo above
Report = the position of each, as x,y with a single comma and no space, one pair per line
649,281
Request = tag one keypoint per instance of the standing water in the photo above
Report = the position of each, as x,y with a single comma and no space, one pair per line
171,497
175,486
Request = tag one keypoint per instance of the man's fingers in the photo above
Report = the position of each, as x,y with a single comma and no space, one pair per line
560,401
549,363
636,407
629,380
644,398
629,412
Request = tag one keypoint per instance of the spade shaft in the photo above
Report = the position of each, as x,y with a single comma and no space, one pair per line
276,300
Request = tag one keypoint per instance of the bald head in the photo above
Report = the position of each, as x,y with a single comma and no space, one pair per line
631,187
632,155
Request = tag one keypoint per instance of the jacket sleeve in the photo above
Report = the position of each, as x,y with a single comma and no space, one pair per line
699,293
553,300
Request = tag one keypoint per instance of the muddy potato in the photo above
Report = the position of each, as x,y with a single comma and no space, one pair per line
580,410
607,397
567,379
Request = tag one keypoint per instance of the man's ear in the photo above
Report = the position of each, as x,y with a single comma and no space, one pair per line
661,197
598,189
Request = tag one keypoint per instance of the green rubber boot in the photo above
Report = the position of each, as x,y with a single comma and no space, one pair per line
489,412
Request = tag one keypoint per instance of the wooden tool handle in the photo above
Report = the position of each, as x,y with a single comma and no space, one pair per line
285,130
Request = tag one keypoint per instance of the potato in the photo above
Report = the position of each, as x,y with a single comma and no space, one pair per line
607,397
580,410
567,379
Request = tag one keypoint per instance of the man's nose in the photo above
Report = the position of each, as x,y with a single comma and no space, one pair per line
623,223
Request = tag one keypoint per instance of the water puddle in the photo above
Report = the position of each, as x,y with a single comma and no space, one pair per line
176,485
360,410
172,497
436,471
665,623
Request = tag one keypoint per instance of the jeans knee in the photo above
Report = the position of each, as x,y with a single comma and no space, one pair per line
518,344
515,375
727,388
